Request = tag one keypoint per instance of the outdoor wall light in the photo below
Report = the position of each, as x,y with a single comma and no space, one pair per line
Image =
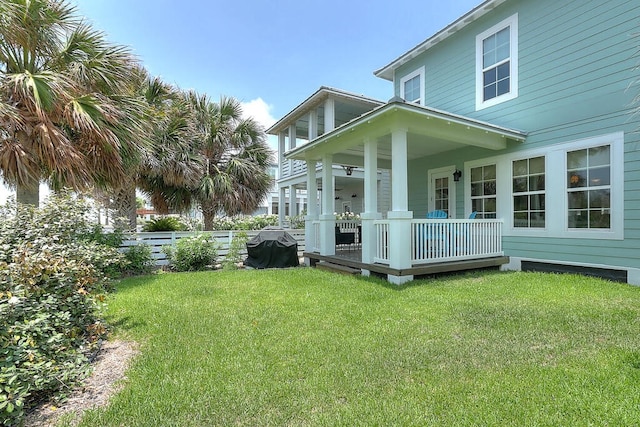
354,195
348,169
457,175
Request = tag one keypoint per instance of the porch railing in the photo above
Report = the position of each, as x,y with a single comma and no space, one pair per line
435,240
293,167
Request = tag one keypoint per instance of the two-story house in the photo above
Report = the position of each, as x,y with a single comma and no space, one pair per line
519,115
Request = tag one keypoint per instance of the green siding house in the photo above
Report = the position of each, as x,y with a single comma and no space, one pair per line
518,115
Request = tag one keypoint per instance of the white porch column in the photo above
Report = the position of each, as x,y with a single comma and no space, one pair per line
327,219
399,216
293,201
329,115
281,205
370,213
312,210
281,150
313,124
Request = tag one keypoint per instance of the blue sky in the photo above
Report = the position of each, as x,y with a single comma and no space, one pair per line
271,55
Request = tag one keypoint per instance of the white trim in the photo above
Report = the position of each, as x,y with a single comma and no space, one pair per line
419,72
556,195
446,171
512,23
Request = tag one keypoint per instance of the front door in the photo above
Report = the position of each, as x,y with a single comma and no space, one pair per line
442,191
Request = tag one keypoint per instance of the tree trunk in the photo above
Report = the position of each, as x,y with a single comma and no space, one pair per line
208,218
124,206
29,193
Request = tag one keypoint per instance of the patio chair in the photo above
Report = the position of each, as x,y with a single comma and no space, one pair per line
344,238
437,214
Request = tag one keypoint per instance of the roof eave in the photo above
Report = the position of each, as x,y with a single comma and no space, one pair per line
323,91
513,134
387,72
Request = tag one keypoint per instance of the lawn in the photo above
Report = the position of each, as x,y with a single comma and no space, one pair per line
305,347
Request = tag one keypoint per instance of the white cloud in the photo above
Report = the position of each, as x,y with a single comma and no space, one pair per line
260,111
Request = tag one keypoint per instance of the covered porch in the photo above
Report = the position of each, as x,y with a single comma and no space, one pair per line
394,242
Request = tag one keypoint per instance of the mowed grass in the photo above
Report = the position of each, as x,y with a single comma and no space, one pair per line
304,347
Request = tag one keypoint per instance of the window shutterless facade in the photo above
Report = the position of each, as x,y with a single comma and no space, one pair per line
573,189
412,87
497,63
528,189
589,188
483,191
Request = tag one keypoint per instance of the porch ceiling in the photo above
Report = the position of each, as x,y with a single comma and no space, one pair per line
429,132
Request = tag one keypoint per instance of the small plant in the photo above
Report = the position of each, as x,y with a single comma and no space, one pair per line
192,253
165,223
140,259
234,256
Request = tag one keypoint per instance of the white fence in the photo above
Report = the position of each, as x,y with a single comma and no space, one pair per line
156,240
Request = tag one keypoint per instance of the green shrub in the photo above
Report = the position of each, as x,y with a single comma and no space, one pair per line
54,269
140,259
165,223
192,253
245,222
236,247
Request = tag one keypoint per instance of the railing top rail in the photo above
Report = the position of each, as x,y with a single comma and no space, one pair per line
456,221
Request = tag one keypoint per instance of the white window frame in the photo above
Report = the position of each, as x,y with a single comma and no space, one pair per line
419,72
511,23
557,221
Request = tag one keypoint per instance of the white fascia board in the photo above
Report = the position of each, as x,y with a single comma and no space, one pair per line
388,70
317,97
298,152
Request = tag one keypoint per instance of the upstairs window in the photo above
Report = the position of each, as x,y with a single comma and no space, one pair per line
412,87
497,64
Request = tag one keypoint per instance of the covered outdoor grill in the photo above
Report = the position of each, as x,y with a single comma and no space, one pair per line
272,248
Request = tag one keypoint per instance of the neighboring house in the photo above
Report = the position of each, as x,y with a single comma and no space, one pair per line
521,112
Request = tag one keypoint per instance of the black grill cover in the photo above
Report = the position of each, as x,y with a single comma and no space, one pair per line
272,248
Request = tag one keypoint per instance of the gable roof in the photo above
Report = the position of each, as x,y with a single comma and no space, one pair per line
485,7
315,99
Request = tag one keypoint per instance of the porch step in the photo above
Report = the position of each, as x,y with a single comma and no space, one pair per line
336,268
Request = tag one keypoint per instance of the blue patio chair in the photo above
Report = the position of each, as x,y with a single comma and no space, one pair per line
473,215
437,214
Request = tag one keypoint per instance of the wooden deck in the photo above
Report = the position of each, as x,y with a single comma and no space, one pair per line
352,259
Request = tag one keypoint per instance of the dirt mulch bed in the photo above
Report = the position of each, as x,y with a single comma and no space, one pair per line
109,368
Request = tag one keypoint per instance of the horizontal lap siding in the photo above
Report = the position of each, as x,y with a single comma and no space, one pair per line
577,63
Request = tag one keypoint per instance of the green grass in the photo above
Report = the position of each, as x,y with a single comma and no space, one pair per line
306,348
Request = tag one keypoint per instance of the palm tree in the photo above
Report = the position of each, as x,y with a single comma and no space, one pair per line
235,178
223,164
65,112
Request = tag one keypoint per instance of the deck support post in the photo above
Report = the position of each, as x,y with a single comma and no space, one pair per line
327,218
400,216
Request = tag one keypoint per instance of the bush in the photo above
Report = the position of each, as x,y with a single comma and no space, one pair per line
140,259
54,268
192,253
245,222
234,256
165,223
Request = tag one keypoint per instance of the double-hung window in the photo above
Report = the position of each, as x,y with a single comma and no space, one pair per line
484,191
529,193
589,188
412,87
497,63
